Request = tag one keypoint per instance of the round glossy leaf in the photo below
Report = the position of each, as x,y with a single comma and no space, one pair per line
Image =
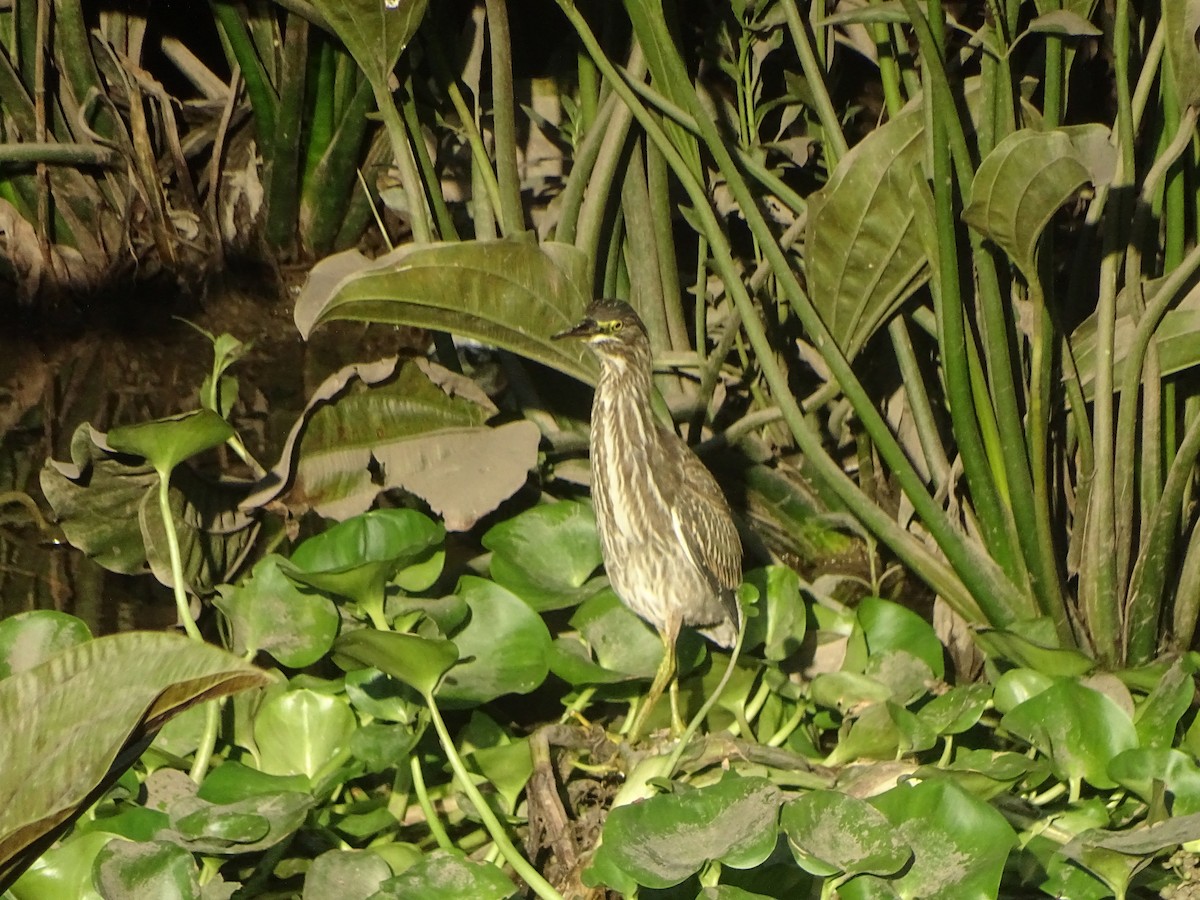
165,443
890,626
247,825
448,875
346,875
571,661
660,842
299,732
269,612
960,844
873,734
783,617
64,871
547,555
504,646
156,869
1141,769
381,747
417,661
956,710
232,782
985,774
1016,686
620,641
30,638
831,832
383,697
1079,729
845,690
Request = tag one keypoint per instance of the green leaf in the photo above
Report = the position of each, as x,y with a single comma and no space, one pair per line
79,719
619,640
888,626
830,832
157,869
1023,182
299,732
383,697
268,612
1064,22
375,33
960,844
1180,22
547,554
346,875
504,647
1079,729
448,875
783,620
1157,717
64,872
1033,653
165,443
1144,770
30,638
956,710
660,842
1016,686
511,294
863,256
417,661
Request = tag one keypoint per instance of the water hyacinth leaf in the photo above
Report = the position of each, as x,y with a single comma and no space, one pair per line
447,875
89,710
956,710
269,612
863,257
382,696
660,842
571,660
243,826
888,626
845,690
300,731
165,443
1079,729
831,832
511,294
64,871
345,874
547,554
1144,770
985,774
417,661
150,869
959,843
504,647
619,640
382,747
783,618
1016,686
1026,178
30,638
231,782
872,734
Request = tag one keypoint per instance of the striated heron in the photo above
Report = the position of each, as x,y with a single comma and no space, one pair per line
670,546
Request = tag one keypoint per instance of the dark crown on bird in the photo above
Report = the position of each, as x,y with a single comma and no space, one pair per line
610,327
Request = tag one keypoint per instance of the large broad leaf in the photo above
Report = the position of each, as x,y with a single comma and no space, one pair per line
72,724
508,293
831,832
375,32
660,842
417,427
505,647
28,639
1027,177
547,555
1181,21
1177,339
165,443
107,505
864,257
1079,729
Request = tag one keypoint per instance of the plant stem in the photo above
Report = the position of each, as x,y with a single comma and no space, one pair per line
512,856
431,816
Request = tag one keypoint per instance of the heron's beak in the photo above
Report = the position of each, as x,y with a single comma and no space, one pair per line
584,329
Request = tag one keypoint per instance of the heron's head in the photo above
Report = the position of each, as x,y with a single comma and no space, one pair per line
612,329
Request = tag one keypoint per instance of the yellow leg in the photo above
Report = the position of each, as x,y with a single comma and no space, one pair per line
664,676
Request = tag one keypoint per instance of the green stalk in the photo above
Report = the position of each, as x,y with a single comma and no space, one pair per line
512,856
431,817
429,175
814,74
975,569
282,147
512,218
263,99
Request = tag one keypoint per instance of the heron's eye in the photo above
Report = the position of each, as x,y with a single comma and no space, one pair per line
617,325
